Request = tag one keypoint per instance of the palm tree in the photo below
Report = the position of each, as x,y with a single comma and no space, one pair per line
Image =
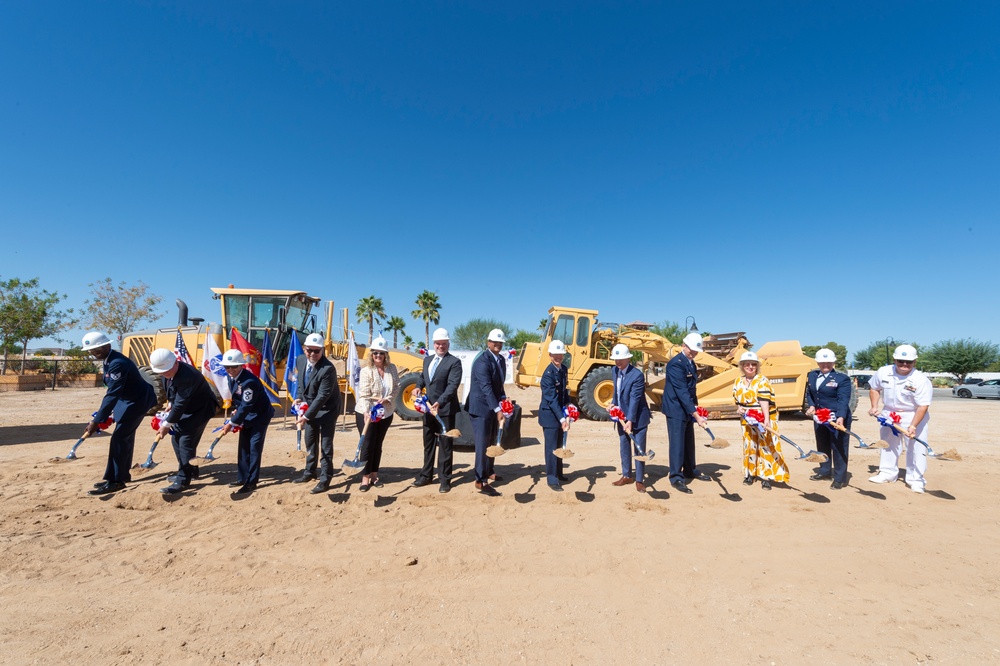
370,308
407,342
427,309
396,325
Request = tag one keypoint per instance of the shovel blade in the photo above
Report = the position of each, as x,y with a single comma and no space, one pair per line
454,432
879,444
353,466
495,451
563,454
647,457
719,443
149,464
816,457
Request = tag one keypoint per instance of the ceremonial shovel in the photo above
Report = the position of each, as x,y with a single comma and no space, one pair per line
812,456
716,443
149,464
355,466
496,449
950,455
72,452
646,456
562,451
209,456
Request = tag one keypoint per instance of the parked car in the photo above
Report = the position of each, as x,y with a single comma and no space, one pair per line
862,381
988,389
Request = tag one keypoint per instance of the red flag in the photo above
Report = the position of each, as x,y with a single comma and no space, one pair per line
237,341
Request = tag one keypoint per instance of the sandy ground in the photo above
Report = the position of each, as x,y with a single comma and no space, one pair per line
597,574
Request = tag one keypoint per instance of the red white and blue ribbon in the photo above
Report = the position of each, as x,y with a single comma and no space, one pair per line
377,413
892,421
301,409
616,413
236,428
155,423
421,404
509,354
755,418
507,407
571,413
826,417
104,425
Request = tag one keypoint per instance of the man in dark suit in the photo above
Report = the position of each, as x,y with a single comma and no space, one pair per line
192,405
552,418
128,398
827,388
486,390
630,397
318,388
440,378
252,413
680,406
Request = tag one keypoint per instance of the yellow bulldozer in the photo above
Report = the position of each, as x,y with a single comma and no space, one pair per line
588,349
281,313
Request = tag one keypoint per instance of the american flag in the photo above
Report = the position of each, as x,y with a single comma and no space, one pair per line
181,350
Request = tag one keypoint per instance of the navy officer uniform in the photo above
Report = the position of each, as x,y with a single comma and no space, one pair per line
486,391
830,390
555,397
253,412
680,406
630,397
128,398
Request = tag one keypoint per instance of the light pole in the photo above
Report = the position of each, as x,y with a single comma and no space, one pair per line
889,340
693,328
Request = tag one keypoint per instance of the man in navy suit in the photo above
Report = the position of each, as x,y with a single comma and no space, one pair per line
630,397
829,389
555,396
486,390
252,412
440,378
318,388
192,405
680,406
128,398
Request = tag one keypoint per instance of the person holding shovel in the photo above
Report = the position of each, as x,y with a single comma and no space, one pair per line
317,388
761,450
907,392
377,382
252,413
486,391
128,398
630,397
440,377
552,418
680,406
828,389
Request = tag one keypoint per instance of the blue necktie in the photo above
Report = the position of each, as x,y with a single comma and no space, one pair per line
434,365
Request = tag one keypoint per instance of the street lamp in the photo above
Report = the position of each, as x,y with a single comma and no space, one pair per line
889,340
693,328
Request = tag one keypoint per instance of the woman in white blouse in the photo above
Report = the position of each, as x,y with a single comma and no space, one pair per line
376,386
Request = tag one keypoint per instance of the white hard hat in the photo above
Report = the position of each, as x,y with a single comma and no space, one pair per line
95,339
619,352
496,335
313,340
161,360
826,356
557,347
693,341
440,334
748,356
379,344
233,357
905,353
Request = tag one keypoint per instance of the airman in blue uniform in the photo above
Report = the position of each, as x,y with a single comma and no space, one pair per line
253,413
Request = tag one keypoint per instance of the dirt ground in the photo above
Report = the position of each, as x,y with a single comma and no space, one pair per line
597,574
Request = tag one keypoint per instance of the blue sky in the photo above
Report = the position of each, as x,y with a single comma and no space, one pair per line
808,171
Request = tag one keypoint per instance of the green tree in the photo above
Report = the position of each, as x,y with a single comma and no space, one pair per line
28,312
372,310
671,330
119,308
472,334
428,310
879,353
408,342
397,325
543,324
517,340
839,350
960,357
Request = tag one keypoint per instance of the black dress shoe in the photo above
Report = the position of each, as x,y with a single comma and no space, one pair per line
701,476
837,485
445,488
681,488
748,481
765,484
306,477
420,482
556,487
101,484
173,488
246,488
487,489
235,484
320,487
107,488
563,479
820,477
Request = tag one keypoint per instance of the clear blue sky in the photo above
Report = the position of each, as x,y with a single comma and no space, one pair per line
808,171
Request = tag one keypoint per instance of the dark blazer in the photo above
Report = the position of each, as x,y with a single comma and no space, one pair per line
680,396
251,403
555,396
632,397
486,384
129,396
321,392
192,402
834,394
443,389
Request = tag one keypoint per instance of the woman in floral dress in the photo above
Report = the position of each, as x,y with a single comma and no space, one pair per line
755,403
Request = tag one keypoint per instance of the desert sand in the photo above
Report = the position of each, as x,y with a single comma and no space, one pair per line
597,574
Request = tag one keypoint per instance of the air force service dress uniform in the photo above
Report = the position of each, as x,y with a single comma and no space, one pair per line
903,394
192,405
486,390
128,398
253,412
555,396
630,396
831,391
680,401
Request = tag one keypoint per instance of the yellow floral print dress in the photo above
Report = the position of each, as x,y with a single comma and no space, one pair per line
761,452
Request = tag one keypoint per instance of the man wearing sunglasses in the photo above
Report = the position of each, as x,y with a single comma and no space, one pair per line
906,391
317,388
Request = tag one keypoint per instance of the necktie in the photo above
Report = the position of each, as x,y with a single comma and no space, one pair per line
503,367
308,370
434,365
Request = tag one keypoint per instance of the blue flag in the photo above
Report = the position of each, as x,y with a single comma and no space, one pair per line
268,375
291,374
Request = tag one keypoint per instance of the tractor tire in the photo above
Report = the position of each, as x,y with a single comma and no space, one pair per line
596,392
404,397
159,388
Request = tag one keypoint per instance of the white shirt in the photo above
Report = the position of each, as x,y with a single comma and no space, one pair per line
902,393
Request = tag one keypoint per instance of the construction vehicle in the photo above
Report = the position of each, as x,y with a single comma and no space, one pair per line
590,369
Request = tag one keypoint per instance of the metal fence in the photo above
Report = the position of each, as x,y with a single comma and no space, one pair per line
48,372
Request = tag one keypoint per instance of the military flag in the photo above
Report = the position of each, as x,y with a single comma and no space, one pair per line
181,350
237,341
268,375
212,368
291,373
